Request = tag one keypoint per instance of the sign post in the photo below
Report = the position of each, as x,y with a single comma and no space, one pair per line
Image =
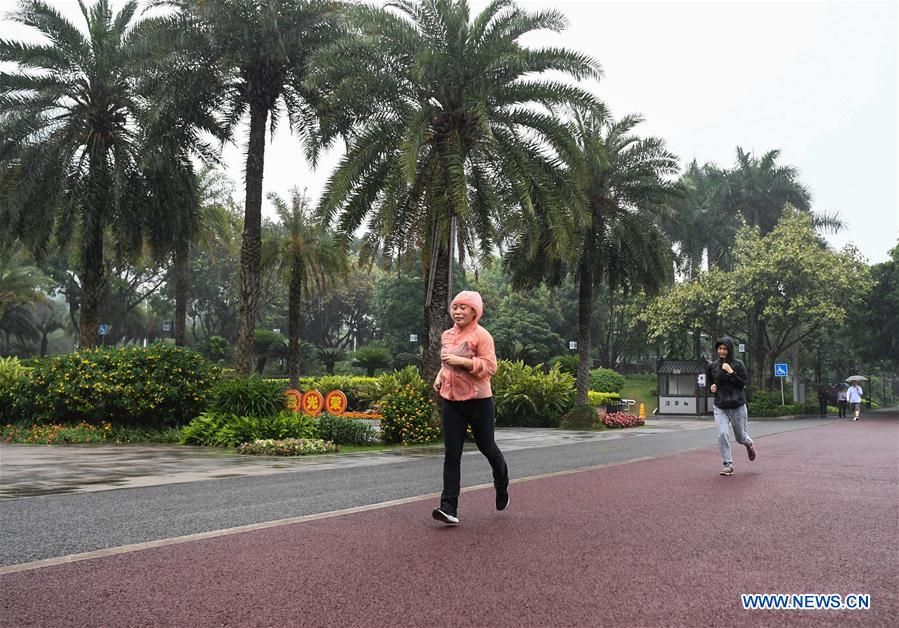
781,371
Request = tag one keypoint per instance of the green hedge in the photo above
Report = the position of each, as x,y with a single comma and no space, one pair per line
253,396
12,376
581,418
227,430
606,380
341,431
597,399
154,386
527,397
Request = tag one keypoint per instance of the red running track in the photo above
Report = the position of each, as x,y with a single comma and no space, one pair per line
660,542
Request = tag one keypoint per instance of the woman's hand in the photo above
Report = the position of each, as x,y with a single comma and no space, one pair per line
451,359
438,383
727,368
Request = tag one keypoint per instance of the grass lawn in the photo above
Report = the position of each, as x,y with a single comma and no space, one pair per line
637,387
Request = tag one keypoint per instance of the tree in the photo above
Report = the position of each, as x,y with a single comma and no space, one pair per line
48,318
329,356
262,50
397,309
181,90
21,287
701,225
371,358
311,258
446,123
879,327
789,277
619,238
67,135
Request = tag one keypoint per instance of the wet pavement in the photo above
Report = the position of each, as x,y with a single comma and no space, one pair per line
35,470
642,531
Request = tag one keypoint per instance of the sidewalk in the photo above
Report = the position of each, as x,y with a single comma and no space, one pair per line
34,470
656,542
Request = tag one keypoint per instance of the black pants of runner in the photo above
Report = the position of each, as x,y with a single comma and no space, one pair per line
480,414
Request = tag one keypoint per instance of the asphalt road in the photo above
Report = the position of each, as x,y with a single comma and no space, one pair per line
58,525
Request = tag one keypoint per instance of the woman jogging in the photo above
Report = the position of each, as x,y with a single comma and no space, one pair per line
463,382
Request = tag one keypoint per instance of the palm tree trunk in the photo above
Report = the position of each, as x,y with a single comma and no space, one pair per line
294,302
251,244
584,316
91,278
182,254
436,313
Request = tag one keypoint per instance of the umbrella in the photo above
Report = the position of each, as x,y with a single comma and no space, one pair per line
843,385
857,378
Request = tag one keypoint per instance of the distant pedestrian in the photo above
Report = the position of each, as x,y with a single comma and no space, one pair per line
841,401
854,396
728,378
468,362
823,399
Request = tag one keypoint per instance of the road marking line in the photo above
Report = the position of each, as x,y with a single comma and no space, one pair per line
136,547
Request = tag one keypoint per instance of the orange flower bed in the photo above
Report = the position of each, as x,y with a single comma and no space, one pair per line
360,415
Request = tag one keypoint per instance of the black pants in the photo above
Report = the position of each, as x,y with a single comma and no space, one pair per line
479,413
823,404
842,405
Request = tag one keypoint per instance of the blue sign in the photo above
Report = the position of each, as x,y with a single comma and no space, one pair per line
103,329
781,370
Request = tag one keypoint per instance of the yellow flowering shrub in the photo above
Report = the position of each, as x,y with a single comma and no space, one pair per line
153,386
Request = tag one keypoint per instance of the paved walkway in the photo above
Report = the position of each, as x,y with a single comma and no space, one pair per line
657,542
32,470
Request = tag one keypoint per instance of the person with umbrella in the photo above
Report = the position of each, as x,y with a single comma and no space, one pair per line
854,395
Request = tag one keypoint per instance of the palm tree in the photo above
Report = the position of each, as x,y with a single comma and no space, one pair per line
262,49
619,238
67,135
22,286
444,128
371,358
311,257
181,93
700,225
759,189
329,356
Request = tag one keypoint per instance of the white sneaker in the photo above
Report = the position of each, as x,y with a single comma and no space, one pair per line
448,519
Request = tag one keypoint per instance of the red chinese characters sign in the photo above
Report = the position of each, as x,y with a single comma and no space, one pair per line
335,402
294,397
312,402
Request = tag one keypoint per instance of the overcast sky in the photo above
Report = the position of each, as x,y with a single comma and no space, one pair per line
816,80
